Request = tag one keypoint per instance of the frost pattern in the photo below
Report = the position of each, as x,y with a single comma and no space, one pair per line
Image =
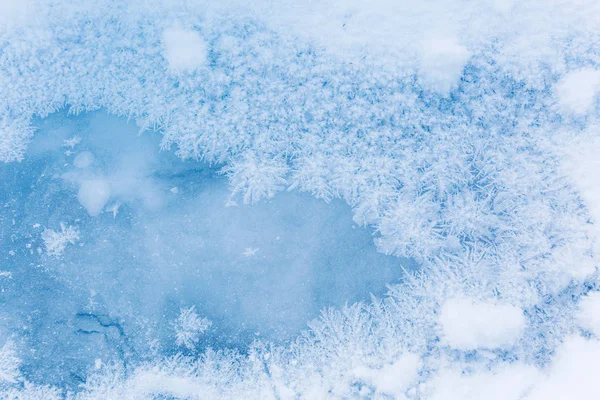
189,327
458,167
9,363
56,242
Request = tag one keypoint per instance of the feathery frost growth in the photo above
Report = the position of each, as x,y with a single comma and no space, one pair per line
189,327
464,135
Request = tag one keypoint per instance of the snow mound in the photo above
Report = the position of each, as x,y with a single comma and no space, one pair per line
185,50
578,90
589,313
442,64
468,324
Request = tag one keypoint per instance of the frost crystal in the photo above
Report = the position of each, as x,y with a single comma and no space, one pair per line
56,242
9,363
189,327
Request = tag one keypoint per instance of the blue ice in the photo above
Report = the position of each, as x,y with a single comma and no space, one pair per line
167,235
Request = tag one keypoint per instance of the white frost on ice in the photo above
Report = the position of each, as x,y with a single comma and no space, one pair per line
93,195
578,90
9,363
56,242
468,324
185,50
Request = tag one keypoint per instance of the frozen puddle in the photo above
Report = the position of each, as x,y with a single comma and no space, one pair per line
104,240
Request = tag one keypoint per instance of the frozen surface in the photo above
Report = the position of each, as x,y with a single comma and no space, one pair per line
463,133
104,255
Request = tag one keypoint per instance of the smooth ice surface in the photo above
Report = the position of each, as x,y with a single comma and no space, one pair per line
104,251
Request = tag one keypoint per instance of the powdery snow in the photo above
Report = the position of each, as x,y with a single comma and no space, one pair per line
470,324
578,90
442,64
185,50
589,313
510,382
392,379
573,373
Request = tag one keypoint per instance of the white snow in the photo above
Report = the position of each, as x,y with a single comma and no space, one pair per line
93,195
470,324
582,162
578,90
392,379
15,11
589,313
83,160
573,373
185,50
511,382
442,64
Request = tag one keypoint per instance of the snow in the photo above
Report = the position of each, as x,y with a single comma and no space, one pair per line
469,324
589,313
578,90
392,379
511,382
93,195
185,50
572,374
15,11
442,64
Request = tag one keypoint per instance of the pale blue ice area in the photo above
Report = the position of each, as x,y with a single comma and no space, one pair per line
168,236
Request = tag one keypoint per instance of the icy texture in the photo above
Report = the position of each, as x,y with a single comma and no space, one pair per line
451,128
139,269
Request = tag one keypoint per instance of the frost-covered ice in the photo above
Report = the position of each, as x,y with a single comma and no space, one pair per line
221,273
419,176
